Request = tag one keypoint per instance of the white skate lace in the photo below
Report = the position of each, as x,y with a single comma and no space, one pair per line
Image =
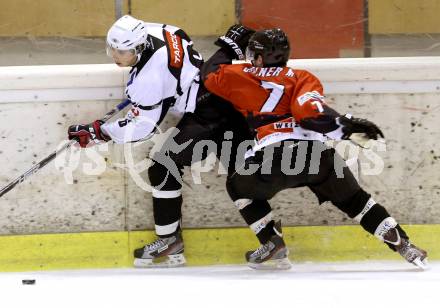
262,249
156,244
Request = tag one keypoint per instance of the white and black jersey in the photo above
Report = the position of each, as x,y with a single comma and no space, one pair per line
165,78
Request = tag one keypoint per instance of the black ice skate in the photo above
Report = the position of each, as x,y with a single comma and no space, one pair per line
406,249
272,254
163,252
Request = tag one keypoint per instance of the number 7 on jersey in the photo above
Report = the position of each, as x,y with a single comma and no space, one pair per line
274,98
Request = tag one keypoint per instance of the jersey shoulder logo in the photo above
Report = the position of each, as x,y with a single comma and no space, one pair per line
314,95
175,48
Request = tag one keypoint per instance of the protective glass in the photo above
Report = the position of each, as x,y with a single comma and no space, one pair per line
111,50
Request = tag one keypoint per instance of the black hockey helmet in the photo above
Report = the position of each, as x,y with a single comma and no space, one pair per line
272,44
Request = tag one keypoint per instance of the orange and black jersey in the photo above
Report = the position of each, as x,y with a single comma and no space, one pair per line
278,102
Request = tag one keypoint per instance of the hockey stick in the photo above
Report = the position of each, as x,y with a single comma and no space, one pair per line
51,156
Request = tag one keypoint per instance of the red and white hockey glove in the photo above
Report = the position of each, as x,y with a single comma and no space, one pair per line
83,134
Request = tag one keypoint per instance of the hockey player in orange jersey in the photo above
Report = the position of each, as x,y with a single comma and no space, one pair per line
286,110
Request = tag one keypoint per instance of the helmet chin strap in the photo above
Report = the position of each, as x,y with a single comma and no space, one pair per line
138,58
139,52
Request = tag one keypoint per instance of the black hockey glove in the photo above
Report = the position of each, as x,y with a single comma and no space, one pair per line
356,125
235,41
83,134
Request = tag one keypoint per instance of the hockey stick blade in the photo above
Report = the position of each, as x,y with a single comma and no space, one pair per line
54,154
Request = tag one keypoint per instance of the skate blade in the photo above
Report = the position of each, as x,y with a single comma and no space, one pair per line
272,264
175,260
421,263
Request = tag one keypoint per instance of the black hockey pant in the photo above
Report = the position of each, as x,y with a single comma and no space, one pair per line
291,164
214,120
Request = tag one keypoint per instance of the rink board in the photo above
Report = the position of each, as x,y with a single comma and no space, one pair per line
202,247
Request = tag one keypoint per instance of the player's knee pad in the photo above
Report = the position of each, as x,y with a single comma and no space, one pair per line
162,180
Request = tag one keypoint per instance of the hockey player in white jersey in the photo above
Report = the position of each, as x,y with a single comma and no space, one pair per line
164,75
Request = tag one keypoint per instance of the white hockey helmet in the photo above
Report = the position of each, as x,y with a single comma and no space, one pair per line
127,34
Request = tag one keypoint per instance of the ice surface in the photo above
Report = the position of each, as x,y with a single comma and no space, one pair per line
363,284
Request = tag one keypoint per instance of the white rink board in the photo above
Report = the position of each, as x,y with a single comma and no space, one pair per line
339,285
48,83
400,95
